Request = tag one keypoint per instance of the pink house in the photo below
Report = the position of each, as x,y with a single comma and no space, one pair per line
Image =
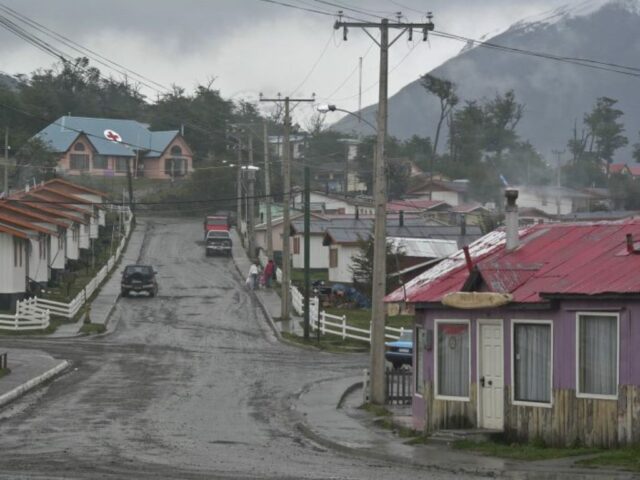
107,147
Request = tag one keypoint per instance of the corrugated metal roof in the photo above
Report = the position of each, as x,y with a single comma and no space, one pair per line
62,133
553,259
424,247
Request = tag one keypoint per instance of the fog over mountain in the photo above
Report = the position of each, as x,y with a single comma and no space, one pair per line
555,94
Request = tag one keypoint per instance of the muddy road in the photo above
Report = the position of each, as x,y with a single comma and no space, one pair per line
192,384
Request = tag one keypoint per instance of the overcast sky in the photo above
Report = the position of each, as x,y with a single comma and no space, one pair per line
250,46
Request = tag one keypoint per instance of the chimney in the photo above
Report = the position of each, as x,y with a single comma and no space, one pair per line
631,249
511,218
401,218
467,258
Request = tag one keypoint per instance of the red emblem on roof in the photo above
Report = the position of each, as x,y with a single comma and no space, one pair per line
112,135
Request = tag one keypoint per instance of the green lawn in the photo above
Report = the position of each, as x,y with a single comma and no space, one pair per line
92,328
627,458
297,276
527,451
329,343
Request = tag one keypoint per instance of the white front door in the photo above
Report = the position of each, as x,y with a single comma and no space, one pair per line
491,375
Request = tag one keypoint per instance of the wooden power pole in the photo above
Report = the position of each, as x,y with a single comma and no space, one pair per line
380,196
286,219
251,180
6,162
267,191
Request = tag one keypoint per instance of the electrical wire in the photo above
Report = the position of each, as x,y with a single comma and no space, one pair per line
314,66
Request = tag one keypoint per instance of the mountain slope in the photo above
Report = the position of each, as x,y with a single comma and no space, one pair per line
555,94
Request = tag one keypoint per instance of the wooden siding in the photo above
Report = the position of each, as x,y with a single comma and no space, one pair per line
447,414
577,421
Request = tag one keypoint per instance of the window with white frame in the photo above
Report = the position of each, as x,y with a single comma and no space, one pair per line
597,352
452,359
532,354
419,362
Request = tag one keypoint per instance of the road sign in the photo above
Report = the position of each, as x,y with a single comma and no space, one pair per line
112,135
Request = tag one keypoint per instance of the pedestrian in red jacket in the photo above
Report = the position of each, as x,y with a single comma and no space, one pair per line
269,273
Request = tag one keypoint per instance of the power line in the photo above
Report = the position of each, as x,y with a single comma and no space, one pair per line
315,64
69,42
588,63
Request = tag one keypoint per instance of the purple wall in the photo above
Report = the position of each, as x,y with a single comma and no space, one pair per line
564,342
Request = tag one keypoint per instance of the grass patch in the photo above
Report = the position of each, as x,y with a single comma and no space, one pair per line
92,328
361,318
4,372
297,276
517,451
329,343
377,410
627,458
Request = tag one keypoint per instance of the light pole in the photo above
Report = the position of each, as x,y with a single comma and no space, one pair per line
332,108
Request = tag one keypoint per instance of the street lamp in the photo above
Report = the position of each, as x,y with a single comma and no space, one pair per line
326,108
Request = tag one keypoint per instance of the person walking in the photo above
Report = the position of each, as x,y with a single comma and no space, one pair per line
253,275
269,273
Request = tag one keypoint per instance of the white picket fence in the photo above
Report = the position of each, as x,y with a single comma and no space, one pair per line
337,325
34,313
28,316
297,301
334,324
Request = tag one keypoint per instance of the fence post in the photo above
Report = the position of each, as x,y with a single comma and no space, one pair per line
344,327
322,320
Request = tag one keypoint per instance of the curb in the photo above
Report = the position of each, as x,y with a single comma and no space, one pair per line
31,384
347,392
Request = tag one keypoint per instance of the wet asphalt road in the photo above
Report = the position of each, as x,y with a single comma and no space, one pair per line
192,384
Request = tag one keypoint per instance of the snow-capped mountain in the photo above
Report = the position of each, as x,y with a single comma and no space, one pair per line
555,93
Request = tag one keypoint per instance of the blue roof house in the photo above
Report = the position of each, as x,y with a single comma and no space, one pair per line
105,147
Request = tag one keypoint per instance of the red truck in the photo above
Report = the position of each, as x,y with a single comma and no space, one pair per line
216,223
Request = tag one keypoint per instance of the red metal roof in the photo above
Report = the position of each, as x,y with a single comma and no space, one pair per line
552,259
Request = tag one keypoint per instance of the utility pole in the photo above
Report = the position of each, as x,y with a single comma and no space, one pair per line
6,161
380,194
251,178
239,189
267,191
359,91
286,219
130,183
307,247
558,154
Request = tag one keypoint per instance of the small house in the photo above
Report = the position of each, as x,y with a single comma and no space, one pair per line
533,333
13,264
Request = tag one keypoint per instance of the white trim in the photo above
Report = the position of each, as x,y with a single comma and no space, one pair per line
512,396
579,394
479,322
437,396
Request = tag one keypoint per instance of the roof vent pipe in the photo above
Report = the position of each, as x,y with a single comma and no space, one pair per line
401,218
511,218
630,247
467,258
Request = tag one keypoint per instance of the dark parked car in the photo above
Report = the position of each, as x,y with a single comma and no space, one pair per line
139,278
400,352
